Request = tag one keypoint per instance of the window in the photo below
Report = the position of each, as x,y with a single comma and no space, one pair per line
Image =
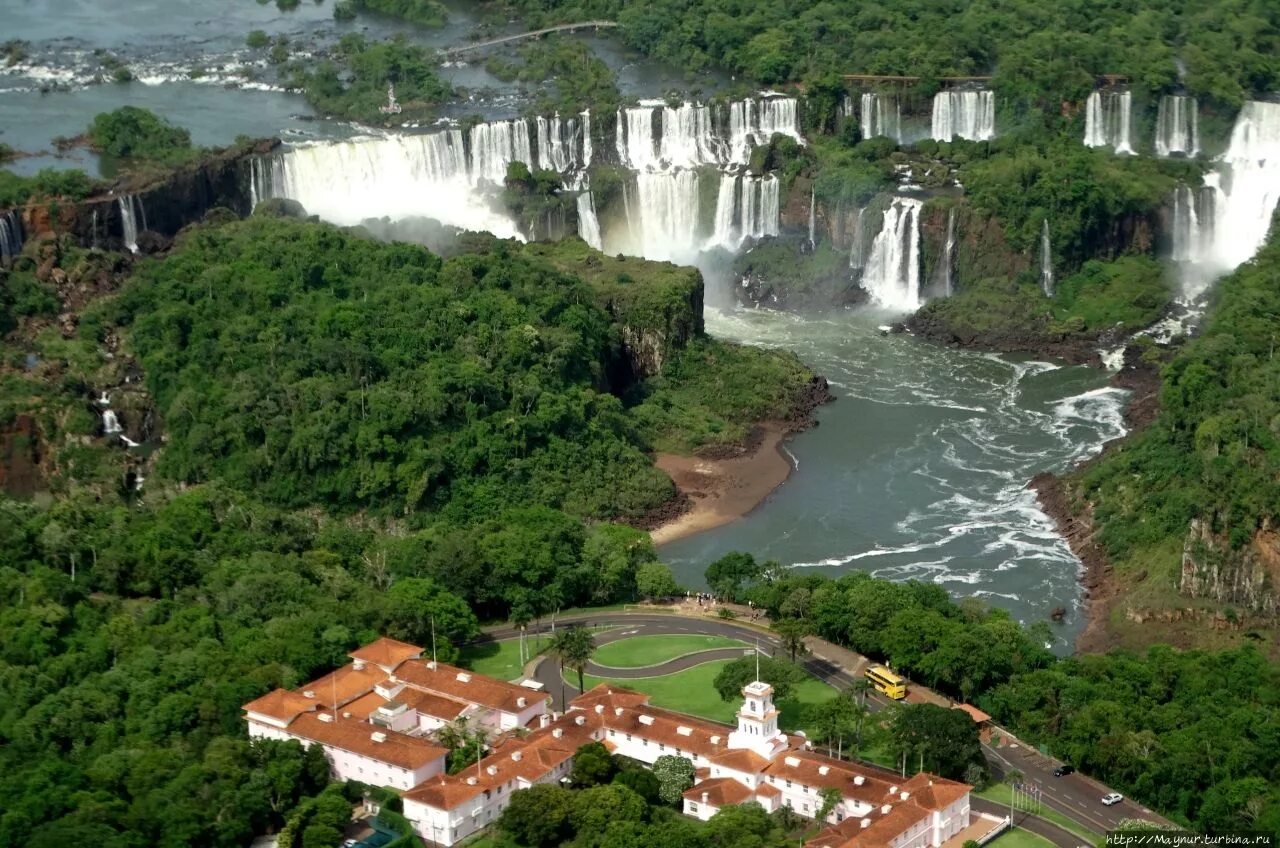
662,746
788,784
628,737
693,808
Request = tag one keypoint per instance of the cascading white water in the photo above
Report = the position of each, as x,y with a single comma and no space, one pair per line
1245,186
746,208
1107,120
1178,126
588,224
557,144
586,138
660,137
667,210
967,114
497,144
399,176
110,423
1194,211
881,116
858,250
1046,261
132,214
813,219
892,277
10,236
754,122
947,262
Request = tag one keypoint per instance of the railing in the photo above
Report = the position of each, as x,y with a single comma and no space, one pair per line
480,45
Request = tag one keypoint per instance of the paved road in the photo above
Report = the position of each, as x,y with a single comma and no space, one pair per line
480,45
1076,796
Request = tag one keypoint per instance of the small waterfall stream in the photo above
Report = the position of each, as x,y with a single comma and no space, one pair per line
1178,126
892,276
10,236
965,114
881,115
132,214
1108,120
1046,261
946,265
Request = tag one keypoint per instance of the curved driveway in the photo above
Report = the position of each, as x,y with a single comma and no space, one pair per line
1075,796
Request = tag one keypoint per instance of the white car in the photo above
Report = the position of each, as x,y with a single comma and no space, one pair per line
1112,799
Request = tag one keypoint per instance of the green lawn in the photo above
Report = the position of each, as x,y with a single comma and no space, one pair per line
500,659
1000,793
691,691
640,651
1019,838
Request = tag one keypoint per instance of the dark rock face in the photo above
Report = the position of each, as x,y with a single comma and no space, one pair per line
1248,577
20,457
163,206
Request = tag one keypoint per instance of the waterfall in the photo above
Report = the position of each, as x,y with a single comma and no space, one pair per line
755,122
858,250
586,138
726,225
688,137
588,225
659,137
947,263
1194,211
1178,126
892,277
1246,188
495,145
1046,261
813,219
667,209
399,176
1107,120
557,144
10,236
881,116
132,213
110,424
967,114
746,208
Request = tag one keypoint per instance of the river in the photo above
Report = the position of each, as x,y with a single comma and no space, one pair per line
918,470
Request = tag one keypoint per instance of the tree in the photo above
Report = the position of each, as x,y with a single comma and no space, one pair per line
675,775
792,632
613,555
592,766
642,782
780,674
744,826
573,647
655,581
418,608
595,808
946,740
831,799
727,575
538,816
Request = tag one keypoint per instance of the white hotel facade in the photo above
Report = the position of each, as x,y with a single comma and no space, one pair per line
375,718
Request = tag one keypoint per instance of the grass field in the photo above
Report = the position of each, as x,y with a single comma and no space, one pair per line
1000,792
640,651
691,691
500,659
1019,838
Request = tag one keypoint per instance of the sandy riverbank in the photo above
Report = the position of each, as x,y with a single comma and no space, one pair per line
722,490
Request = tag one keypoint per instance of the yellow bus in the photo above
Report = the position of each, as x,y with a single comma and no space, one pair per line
886,682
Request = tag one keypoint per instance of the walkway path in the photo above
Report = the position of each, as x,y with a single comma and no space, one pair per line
480,45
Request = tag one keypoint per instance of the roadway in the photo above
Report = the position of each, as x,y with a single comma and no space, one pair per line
1076,796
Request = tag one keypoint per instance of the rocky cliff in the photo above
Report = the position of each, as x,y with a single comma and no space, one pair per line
1248,578
162,205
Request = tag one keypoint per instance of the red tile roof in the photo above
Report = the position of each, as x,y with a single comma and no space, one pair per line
356,736
467,686
720,792
385,652
748,762
281,704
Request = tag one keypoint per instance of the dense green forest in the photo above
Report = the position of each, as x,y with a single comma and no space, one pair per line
1038,54
1213,453
1191,734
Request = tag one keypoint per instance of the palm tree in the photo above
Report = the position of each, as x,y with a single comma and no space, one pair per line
573,647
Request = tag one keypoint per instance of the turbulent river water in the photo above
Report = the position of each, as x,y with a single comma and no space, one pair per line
919,468
917,471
